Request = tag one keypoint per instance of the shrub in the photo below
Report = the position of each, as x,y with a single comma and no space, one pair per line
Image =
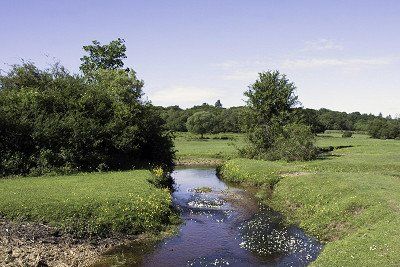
57,121
347,134
292,142
295,143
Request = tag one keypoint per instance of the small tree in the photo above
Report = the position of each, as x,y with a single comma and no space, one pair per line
270,105
200,123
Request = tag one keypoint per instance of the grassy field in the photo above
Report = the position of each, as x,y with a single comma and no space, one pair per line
191,149
350,199
89,204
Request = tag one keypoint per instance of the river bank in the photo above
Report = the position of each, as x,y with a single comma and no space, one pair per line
222,225
70,220
350,199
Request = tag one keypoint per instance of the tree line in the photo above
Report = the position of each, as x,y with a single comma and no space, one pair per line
231,120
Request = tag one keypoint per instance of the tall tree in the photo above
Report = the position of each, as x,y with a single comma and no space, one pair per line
109,56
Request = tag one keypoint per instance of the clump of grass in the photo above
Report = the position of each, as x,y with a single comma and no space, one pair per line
99,204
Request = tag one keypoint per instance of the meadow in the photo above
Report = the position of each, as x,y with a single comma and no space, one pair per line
349,198
213,148
89,204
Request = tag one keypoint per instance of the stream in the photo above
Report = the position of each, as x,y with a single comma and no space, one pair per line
222,226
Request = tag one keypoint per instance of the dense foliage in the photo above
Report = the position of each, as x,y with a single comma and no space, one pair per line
201,122
384,128
109,56
271,131
51,120
230,120
225,119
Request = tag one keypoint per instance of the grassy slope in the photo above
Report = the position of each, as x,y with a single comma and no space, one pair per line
96,203
350,199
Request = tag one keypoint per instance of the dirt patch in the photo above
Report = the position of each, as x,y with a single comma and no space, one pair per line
34,244
395,206
336,229
356,209
292,207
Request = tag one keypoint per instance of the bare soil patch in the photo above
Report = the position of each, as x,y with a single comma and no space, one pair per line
34,244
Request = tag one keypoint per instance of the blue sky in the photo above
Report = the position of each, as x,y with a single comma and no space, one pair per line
342,55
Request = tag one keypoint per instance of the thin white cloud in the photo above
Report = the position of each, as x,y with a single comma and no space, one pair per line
243,70
322,44
240,75
184,96
227,64
334,62
247,71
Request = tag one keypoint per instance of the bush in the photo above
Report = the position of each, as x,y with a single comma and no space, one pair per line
295,143
347,134
292,142
53,121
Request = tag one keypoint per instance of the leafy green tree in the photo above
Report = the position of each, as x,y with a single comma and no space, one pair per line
309,117
271,101
51,120
201,122
109,56
271,97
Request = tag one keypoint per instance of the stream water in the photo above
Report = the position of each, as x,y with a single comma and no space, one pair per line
224,226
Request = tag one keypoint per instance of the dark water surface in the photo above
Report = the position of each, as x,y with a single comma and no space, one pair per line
224,227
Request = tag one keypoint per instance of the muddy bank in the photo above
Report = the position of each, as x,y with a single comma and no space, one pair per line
34,244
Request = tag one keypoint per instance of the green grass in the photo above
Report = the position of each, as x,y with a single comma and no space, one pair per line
215,146
350,199
89,204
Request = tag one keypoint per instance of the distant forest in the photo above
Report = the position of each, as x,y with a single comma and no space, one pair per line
230,120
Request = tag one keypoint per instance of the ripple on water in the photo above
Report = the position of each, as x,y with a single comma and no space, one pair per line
265,235
212,203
